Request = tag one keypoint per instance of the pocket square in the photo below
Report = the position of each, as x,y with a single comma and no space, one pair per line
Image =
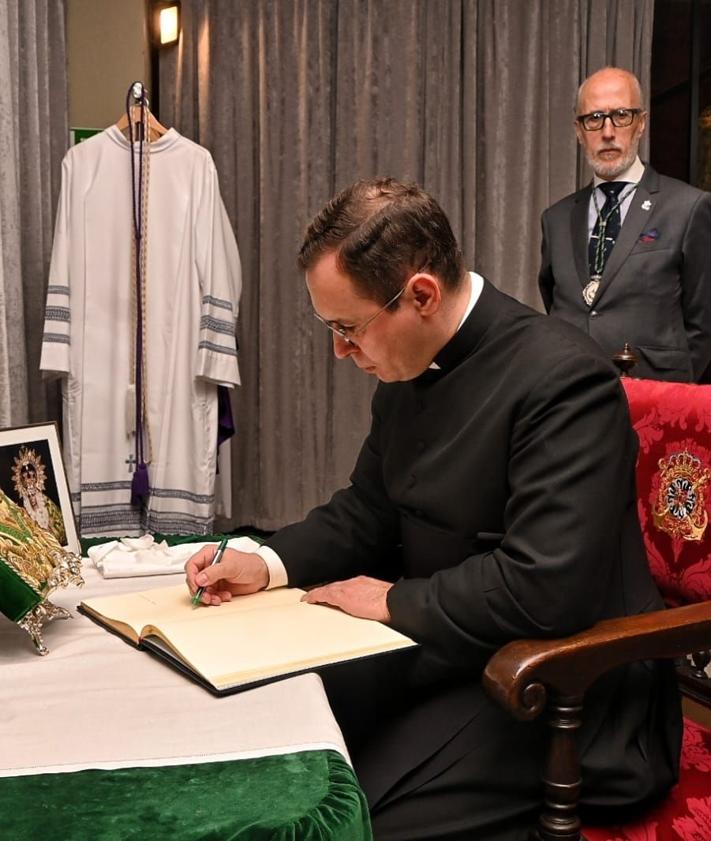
649,236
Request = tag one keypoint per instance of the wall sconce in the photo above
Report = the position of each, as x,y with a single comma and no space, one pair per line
166,23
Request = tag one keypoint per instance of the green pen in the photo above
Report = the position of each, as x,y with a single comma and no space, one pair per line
216,560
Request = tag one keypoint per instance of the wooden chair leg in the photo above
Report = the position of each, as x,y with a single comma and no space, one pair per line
559,820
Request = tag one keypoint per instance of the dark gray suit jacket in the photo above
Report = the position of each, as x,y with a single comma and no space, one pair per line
655,291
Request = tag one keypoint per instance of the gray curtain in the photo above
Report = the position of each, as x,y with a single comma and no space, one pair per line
33,139
295,98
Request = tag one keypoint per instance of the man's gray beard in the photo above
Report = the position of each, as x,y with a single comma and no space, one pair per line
613,169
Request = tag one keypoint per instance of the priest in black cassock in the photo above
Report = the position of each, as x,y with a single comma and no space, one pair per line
493,499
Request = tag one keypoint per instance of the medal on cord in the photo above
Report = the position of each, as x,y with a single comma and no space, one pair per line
593,284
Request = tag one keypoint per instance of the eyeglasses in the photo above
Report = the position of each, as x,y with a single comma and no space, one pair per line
349,332
620,118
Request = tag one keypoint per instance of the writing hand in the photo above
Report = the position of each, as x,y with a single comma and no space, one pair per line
362,596
237,574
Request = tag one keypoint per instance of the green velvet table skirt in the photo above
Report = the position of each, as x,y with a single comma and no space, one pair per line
306,796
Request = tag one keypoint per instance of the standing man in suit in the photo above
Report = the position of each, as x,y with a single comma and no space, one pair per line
628,258
493,499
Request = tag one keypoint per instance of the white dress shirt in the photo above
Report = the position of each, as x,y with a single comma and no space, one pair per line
633,175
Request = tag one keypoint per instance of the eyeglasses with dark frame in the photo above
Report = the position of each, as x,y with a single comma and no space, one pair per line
349,333
619,117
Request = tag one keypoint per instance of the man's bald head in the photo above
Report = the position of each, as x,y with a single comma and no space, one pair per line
612,74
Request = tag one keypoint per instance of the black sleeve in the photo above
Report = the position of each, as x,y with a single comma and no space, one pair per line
571,476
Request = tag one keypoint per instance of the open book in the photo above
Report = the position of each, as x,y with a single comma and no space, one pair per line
249,640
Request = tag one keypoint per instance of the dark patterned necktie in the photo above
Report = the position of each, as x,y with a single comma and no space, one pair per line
610,220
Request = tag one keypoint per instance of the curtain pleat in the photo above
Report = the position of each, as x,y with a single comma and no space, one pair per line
33,139
473,99
13,366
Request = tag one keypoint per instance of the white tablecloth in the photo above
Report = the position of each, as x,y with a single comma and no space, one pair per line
96,702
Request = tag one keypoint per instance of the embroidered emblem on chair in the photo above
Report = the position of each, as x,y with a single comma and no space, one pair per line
680,508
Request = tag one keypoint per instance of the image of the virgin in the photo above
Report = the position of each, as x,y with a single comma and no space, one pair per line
35,488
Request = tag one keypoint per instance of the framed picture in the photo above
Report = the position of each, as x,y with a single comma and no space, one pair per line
32,475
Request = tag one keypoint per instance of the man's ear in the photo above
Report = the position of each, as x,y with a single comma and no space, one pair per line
426,293
642,122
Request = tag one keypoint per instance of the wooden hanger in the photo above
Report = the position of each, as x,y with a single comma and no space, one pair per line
155,129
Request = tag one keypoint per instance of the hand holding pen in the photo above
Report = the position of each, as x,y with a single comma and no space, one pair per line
214,577
197,598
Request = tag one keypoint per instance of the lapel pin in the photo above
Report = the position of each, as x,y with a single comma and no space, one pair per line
646,204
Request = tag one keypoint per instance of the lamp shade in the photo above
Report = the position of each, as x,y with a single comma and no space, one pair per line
166,23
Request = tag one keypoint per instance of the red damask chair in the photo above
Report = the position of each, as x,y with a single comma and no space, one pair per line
673,423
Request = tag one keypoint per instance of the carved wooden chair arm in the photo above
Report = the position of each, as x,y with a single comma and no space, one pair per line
527,676
518,675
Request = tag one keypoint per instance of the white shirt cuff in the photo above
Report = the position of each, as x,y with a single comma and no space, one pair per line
243,544
277,571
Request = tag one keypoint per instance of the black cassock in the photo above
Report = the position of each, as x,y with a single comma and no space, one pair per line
498,493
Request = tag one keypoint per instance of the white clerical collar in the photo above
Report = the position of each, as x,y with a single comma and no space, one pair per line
633,174
476,282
